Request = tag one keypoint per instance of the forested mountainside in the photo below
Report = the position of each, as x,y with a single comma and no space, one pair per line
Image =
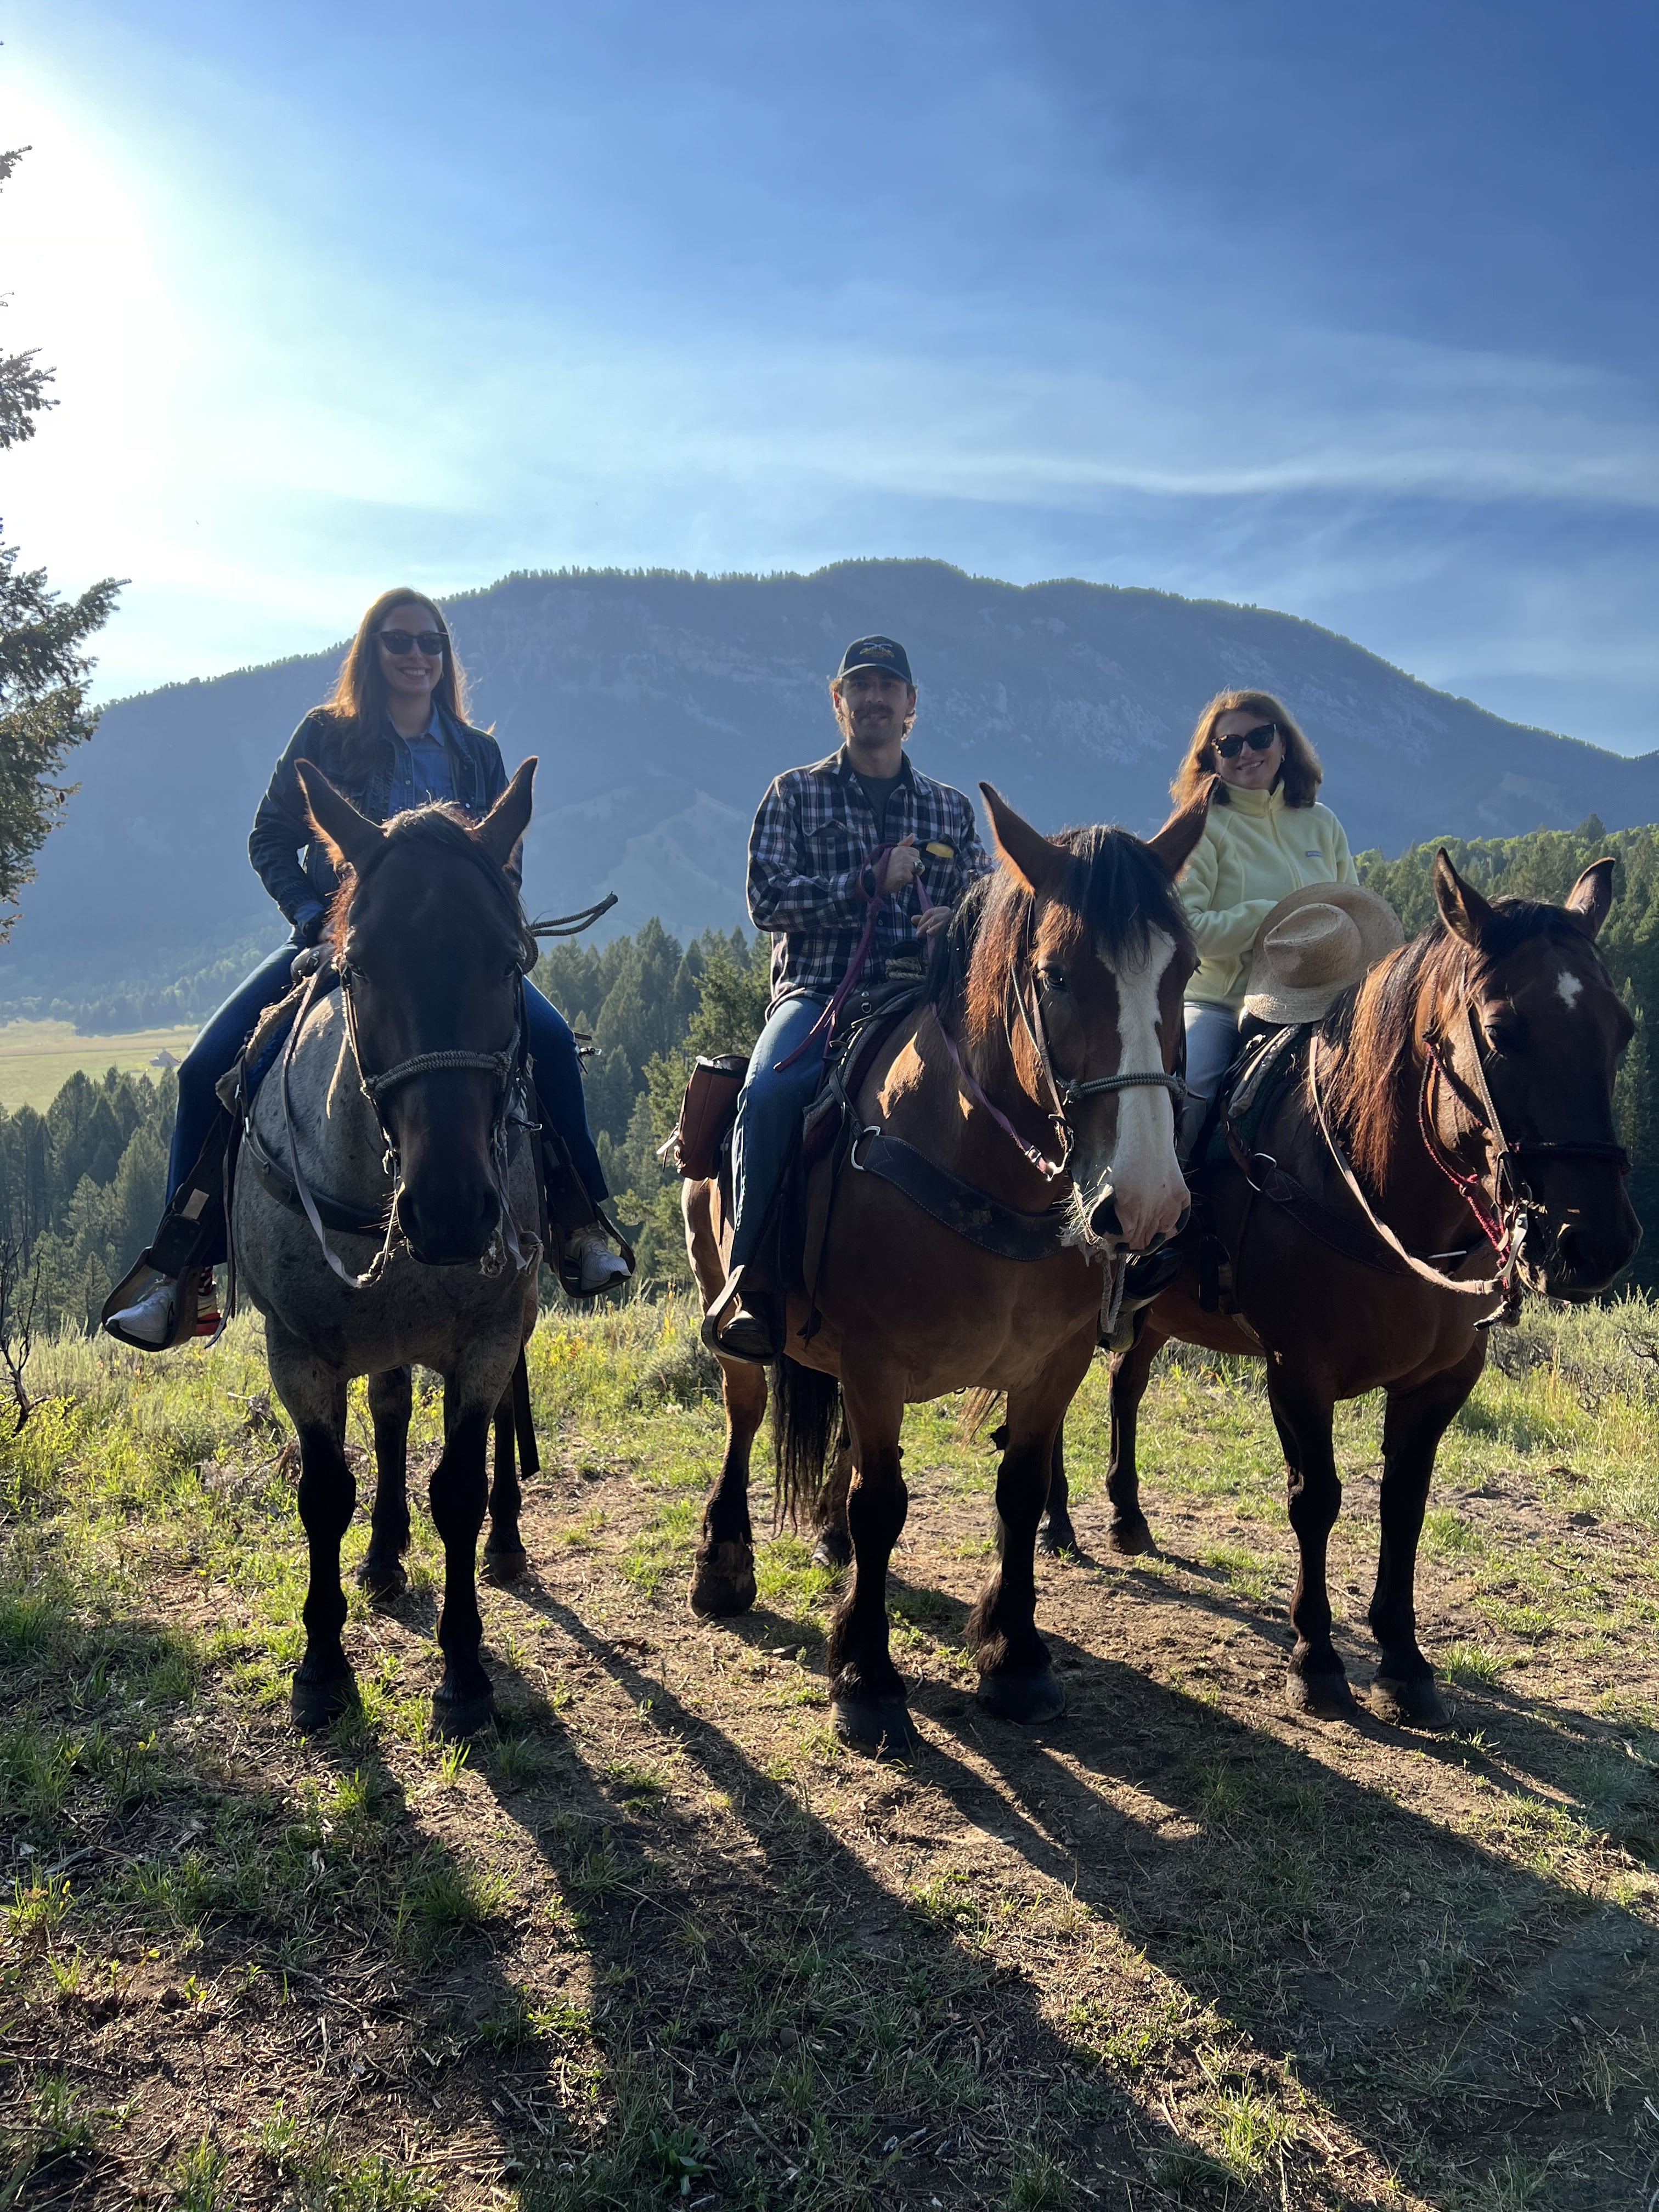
661,706
79,1185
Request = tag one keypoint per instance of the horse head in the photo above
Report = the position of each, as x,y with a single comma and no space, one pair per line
1081,962
432,947
1530,1029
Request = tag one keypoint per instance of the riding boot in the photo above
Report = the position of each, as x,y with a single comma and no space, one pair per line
189,1237
576,1226
746,1322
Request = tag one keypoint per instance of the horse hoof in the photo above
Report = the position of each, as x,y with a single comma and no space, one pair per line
723,1581
383,1580
1129,1537
1028,1699
505,1566
1320,1697
833,1551
878,1724
1409,1701
318,1704
1058,1539
454,1719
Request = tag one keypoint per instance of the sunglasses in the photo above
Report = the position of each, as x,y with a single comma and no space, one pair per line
1257,739
431,641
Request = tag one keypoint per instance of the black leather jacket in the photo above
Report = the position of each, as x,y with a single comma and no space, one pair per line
294,867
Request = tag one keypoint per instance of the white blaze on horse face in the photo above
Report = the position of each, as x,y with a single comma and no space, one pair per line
1570,987
1144,1173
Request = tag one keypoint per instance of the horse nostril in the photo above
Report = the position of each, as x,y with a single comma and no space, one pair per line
1186,1216
1103,1221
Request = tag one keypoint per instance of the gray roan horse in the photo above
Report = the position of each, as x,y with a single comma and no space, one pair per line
396,1100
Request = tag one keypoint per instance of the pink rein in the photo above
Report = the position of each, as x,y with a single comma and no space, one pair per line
843,990
1051,1170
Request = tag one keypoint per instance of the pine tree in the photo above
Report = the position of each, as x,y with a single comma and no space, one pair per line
43,668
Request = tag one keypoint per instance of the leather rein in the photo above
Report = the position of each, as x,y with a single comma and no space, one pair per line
508,1069
1503,1210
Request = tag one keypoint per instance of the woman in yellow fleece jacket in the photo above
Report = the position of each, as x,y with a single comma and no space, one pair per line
1267,834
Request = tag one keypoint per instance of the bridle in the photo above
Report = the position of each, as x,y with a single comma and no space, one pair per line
1502,1207
510,1070
1504,1211
1065,1091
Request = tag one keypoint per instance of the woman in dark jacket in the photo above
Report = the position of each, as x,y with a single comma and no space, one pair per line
394,735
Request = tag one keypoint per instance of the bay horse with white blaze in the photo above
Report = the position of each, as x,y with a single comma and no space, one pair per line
1051,1023
1456,1107
394,1125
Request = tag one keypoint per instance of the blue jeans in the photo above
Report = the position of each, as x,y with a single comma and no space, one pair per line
770,1108
552,1049
1211,1048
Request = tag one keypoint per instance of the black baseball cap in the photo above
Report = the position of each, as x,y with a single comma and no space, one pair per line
882,652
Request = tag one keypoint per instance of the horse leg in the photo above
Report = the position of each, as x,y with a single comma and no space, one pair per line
390,1398
1016,1681
867,1693
1127,1531
505,1557
1317,1682
459,1494
1413,1425
1055,1534
834,1548
315,1397
723,1569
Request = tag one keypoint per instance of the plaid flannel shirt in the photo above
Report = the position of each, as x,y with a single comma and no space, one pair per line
813,836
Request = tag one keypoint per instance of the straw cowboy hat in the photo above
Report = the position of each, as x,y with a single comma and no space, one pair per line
1313,946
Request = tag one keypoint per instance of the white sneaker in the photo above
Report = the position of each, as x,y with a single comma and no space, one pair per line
600,1265
150,1319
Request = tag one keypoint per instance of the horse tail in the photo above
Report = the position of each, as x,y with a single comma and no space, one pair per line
977,1408
805,1420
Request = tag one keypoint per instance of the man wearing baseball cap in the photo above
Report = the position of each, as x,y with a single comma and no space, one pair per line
812,877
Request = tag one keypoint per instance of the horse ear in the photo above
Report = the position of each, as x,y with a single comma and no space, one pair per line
1591,896
1039,863
1462,910
501,831
349,836
1175,841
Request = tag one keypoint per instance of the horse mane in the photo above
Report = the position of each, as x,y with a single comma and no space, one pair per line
1371,1029
437,833
1115,885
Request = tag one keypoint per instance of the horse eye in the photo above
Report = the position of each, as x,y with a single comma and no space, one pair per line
1502,1035
1053,979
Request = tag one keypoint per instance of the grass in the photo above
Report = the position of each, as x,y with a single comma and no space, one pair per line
659,1940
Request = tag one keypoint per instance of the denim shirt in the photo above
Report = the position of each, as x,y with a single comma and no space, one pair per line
292,862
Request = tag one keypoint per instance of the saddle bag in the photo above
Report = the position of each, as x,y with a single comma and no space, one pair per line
707,1112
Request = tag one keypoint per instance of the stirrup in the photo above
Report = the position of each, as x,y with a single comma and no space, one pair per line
189,1319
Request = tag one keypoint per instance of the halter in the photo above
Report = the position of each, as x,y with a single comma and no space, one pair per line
507,1068
1503,1210
1064,1091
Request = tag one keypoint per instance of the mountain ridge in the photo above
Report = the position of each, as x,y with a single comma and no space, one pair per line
662,702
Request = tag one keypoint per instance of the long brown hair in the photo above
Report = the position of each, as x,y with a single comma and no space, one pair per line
358,702
1299,775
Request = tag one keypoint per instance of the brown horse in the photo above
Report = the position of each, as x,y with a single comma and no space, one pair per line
1054,1011
1458,1103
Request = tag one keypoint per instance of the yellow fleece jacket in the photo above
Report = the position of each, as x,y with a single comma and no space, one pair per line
1254,850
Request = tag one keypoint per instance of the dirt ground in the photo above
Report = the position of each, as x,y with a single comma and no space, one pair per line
662,1940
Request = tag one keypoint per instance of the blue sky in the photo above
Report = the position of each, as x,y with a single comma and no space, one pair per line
1347,310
